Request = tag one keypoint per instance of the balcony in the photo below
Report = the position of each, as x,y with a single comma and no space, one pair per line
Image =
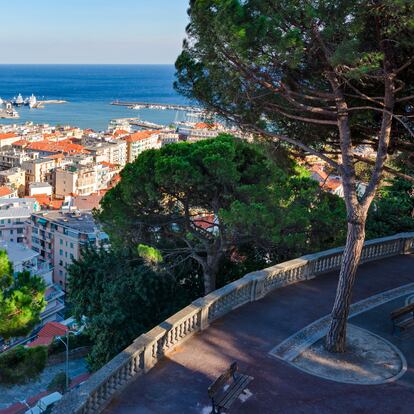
58,306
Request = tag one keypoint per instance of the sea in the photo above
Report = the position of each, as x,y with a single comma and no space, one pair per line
89,91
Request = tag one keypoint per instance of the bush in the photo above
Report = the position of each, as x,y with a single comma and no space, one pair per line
21,364
58,383
75,341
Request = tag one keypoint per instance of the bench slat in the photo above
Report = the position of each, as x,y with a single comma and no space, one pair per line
233,389
402,311
406,323
219,383
232,398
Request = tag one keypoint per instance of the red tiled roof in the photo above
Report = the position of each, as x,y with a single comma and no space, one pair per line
108,164
53,329
41,341
20,143
140,135
5,191
119,132
66,146
205,222
7,135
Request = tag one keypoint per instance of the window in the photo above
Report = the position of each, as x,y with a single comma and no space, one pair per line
61,252
71,256
61,241
71,245
11,231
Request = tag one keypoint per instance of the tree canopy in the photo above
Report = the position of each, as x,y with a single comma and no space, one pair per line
202,201
321,77
21,300
121,298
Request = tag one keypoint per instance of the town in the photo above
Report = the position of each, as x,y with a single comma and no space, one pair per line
53,177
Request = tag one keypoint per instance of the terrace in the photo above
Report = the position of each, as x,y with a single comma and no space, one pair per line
267,322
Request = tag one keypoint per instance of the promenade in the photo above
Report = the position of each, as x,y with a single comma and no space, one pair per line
179,382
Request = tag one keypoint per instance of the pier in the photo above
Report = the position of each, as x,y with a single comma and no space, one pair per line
146,105
146,125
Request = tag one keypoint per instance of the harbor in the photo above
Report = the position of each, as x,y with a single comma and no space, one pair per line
159,106
8,107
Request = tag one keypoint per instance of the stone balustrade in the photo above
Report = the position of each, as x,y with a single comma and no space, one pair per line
93,396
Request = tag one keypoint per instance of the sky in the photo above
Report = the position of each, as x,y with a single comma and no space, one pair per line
92,31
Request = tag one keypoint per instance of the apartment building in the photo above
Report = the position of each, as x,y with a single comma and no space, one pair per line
15,216
75,179
14,158
25,259
111,152
79,179
39,170
166,138
141,141
14,178
59,236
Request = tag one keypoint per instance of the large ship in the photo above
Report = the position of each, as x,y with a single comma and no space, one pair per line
19,101
32,101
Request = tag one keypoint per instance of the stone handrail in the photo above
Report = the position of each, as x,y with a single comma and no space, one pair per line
138,358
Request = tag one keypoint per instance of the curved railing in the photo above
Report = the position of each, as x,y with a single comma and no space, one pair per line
146,350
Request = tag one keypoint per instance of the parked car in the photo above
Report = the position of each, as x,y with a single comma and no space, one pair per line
45,403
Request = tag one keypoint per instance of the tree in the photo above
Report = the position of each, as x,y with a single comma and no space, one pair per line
201,201
173,198
19,365
21,300
320,77
121,298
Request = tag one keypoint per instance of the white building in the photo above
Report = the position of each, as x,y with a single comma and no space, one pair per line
15,218
40,188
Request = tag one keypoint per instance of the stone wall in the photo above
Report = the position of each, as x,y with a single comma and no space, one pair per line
146,350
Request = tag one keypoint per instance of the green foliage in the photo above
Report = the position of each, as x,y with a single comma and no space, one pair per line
392,211
21,364
58,383
150,255
254,198
6,270
75,341
264,63
21,300
121,298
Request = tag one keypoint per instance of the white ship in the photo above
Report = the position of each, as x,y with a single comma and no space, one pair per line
1,102
32,101
19,100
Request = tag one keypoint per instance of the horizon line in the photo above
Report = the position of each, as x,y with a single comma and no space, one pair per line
82,63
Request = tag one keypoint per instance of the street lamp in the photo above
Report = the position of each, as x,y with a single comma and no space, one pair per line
67,354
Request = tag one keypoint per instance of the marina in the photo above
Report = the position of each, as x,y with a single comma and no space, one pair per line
146,105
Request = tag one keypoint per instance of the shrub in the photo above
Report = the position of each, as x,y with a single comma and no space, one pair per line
21,364
58,383
75,341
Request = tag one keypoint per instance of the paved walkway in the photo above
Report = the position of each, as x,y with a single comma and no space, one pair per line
179,383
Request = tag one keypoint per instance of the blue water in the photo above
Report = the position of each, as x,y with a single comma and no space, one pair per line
89,89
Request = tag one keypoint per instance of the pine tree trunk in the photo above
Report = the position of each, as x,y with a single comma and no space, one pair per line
336,336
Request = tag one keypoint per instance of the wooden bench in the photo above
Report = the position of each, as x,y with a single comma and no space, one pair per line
400,320
223,397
